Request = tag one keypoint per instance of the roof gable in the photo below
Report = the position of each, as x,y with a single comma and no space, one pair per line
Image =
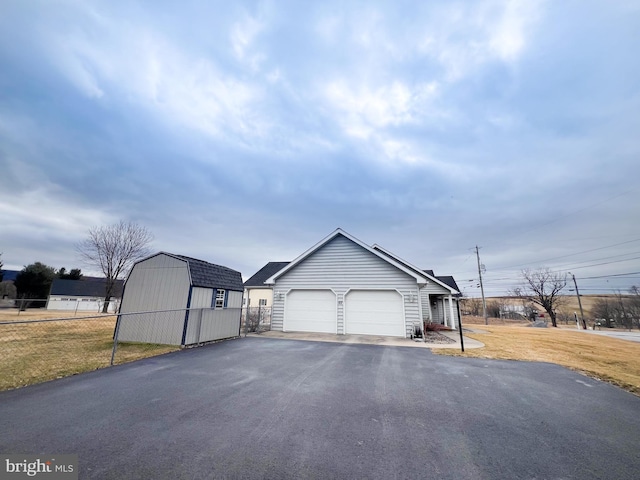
258,279
416,274
439,280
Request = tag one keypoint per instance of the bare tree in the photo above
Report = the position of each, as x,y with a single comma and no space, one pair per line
472,306
634,305
543,288
114,249
603,310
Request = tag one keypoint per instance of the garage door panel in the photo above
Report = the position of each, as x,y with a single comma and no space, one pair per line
375,312
310,311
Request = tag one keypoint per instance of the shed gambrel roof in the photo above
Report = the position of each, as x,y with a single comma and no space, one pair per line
258,278
210,275
419,276
85,287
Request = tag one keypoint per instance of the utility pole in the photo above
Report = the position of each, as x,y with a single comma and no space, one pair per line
584,325
484,303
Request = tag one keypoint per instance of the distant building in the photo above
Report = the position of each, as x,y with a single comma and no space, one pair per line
84,295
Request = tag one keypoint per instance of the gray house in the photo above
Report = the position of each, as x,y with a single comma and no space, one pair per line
342,285
177,300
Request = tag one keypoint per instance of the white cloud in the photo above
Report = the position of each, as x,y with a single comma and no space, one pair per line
243,35
464,38
361,111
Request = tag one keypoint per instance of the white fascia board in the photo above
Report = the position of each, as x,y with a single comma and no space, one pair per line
416,269
419,277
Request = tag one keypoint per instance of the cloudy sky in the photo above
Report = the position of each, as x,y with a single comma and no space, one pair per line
244,132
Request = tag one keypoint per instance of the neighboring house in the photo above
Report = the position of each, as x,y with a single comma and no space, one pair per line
342,285
256,293
83,295
187,301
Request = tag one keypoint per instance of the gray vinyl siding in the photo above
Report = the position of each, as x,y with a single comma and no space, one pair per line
341,265
207,324
234,299
158,283
201,297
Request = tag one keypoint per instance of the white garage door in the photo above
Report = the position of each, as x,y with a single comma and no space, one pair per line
310,311
375,312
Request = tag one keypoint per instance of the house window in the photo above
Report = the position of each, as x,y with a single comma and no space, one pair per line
263,302
220,298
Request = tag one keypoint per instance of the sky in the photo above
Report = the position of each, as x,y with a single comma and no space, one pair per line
245,132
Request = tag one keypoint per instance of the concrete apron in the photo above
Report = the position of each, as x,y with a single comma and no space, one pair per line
372,339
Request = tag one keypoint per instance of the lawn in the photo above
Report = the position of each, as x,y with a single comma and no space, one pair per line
609,359
37,350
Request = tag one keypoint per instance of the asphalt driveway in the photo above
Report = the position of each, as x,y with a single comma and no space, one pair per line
271,408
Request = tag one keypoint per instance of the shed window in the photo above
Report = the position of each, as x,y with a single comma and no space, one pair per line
263,302
220,298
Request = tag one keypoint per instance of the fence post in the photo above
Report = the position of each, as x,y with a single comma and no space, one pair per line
115,340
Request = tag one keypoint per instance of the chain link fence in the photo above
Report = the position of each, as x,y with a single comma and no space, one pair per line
40,345
256,319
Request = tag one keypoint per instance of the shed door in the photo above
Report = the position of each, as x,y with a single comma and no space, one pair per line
375,312
310,311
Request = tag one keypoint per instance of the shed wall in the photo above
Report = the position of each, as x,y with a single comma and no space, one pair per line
158,283
234,299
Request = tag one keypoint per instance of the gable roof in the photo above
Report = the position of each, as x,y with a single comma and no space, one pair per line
258,278
85,287
419,276
210,275
449,280
449,284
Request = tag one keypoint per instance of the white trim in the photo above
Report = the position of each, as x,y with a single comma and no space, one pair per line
419,277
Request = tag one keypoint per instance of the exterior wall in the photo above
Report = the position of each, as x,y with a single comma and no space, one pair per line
341,265
255,294
158,283
234,299
207,324
201,297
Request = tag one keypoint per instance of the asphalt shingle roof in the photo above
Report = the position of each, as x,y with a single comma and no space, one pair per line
209,275
258,279
85,287
448,280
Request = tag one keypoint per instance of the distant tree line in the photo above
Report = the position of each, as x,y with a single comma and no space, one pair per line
619,310
34,281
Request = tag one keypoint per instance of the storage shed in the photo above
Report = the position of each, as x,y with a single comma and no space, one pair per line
177,300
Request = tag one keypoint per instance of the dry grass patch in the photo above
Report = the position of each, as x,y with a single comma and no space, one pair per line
615,361
35,352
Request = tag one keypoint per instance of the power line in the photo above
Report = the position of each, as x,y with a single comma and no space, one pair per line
569,255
